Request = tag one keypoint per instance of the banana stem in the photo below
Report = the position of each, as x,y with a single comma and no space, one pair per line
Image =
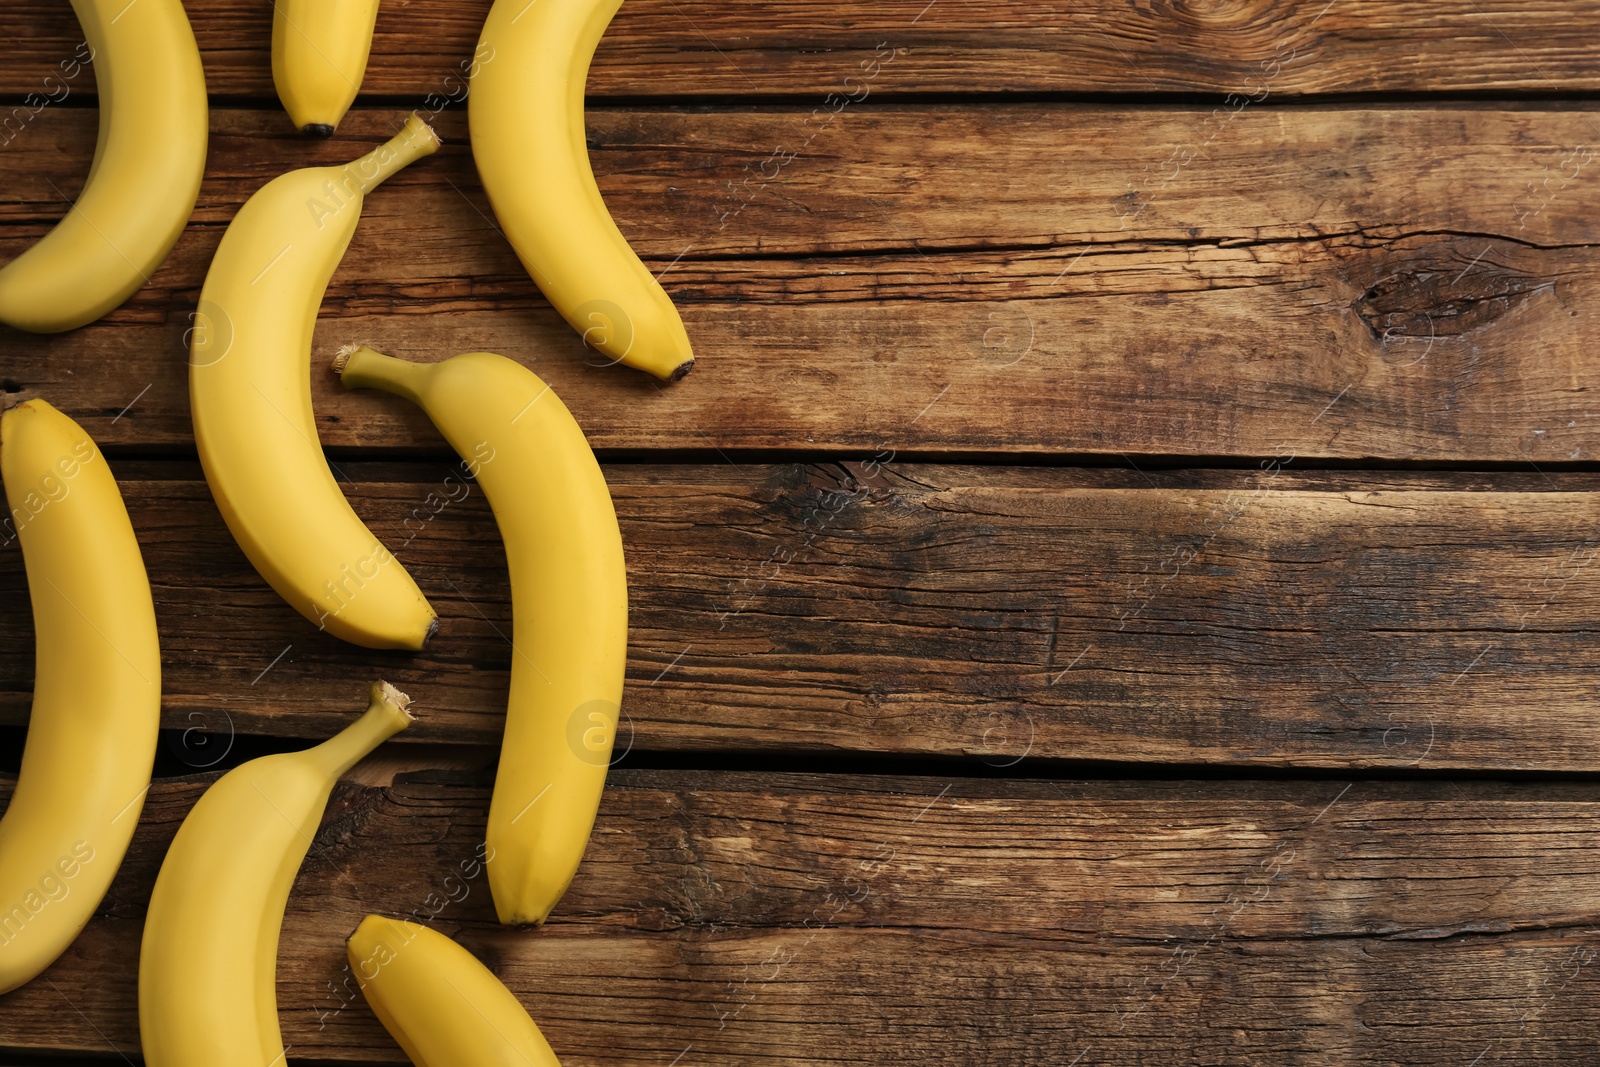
414,141
385,716
360,367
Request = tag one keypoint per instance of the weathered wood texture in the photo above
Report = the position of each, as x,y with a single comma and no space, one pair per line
687,48
994,614
736,919
1354,283
1263,277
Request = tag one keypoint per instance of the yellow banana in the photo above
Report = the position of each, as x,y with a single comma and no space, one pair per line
208,963
569,596
443,1007
250,393
319,55
97,689
144,179
525,111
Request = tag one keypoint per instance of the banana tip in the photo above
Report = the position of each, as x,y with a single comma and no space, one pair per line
681,370
320,130
341,358
516,918
397,698
433,133
365,920
11,407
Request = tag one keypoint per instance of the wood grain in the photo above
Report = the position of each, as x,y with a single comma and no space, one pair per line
1351,283
796,919
690,48
906,236
991,614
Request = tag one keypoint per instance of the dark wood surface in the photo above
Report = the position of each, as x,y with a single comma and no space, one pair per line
1258,619
1115,589
943,279
695,48
797,919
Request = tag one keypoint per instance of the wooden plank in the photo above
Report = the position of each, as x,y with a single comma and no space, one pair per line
699,47
1320,282
993,614
738,918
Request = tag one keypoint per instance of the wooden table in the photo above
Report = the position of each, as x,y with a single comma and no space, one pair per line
1116,588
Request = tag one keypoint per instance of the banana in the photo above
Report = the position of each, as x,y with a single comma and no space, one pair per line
319,55
250,393
569,597
143,182
97,689
208,963
443,1007
525,112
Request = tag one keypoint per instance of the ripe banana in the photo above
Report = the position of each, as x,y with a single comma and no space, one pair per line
443,1007
208,964
97,689
569,596
250,392
319,55
525,112
144,179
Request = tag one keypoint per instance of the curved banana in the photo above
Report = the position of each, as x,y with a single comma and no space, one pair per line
97,689
145,177
250,392
319,55
569,596
525,112
443,1007
208,963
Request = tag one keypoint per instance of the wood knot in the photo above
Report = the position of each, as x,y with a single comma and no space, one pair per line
1226,14
1438,292
1229,11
